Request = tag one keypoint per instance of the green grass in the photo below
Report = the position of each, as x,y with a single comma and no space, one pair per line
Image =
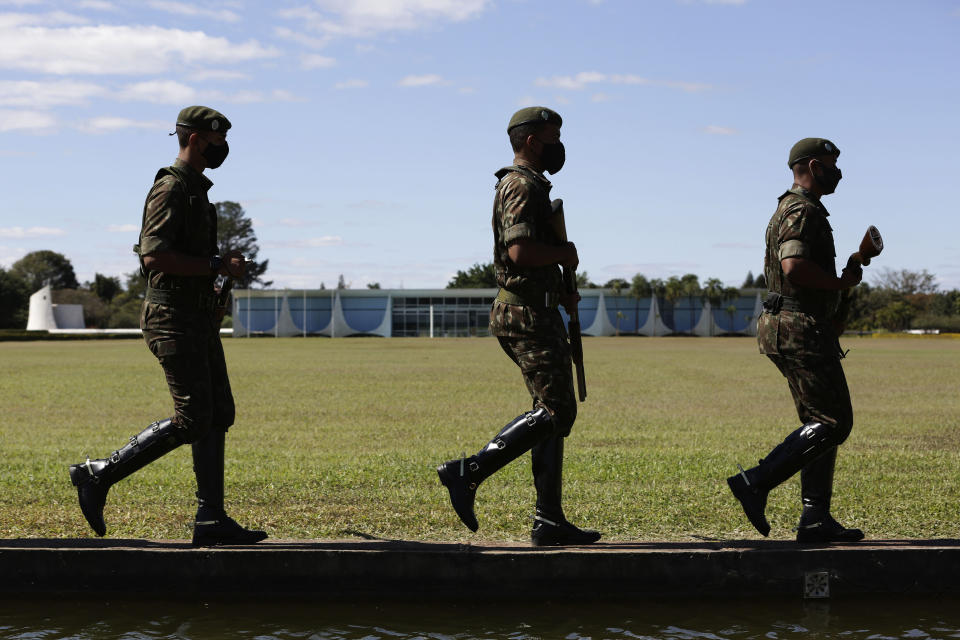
336,438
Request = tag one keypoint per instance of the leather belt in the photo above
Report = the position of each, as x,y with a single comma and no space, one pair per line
775,303
549,299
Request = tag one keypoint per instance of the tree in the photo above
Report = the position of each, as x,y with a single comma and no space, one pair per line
373,285
341,283
640,289
14,301
583,281
40,268
906,282
617,284
105,287
235,233
760,282
479,276
748,282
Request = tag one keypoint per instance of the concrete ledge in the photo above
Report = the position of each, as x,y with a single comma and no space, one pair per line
399,569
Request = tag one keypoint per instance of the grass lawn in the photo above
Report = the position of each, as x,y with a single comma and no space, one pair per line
336,438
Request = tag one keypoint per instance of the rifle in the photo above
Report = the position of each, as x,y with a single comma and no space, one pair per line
870,247
570,287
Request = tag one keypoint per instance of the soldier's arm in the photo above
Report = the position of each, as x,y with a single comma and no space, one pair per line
518,221
796,234
809,275
181,264
525,252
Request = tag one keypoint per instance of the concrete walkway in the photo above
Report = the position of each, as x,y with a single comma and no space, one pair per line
400,569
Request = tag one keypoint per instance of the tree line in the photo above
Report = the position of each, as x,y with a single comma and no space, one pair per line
894,300
109,302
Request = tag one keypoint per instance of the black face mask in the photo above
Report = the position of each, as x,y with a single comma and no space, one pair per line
828,180
553,156
215,154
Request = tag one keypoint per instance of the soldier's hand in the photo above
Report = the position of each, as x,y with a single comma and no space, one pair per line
569,301
851,275
570,258
234,264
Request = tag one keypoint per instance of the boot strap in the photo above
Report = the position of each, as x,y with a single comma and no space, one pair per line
539,518
744,475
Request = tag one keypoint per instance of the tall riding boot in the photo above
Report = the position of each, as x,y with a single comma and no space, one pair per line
550,527
799,448
462,477
816,490
94,478
212,525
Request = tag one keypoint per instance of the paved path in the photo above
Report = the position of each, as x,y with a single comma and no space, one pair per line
399,569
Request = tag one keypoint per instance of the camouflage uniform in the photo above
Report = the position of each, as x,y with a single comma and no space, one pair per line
796,331
180,324
532,333
527,323
183,331
803,344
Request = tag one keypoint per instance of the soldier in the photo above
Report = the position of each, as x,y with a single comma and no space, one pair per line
798,331
180,323
527,323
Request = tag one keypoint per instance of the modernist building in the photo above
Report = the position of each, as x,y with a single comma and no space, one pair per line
339,313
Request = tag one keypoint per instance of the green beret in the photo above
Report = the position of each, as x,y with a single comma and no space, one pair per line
811,147
529,115
203,119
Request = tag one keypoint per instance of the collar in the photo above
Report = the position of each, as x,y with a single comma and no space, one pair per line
524,169
194,176
804,193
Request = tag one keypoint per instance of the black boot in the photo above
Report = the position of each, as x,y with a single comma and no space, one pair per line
213,526
550,527
816,523
462,477
799,448
94,478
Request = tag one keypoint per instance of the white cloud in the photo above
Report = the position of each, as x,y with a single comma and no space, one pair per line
353,83
720,131
158,92
362,18
420,81
25,93
301,38
122,228
183,9
316,61
108,124
22,120
576,82
30,232
118,50
11,20
98,5
218,74
586,78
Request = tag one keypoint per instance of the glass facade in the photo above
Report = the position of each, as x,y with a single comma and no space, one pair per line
451,317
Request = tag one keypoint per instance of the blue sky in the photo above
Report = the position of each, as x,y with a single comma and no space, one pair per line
366,132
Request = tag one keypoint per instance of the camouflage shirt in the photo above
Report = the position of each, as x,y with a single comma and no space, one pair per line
521,209
799,229
177,216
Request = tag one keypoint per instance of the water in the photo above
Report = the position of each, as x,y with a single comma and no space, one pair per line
143,618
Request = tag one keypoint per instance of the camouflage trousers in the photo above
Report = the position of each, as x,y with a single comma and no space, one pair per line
545,364
819,391
196,372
